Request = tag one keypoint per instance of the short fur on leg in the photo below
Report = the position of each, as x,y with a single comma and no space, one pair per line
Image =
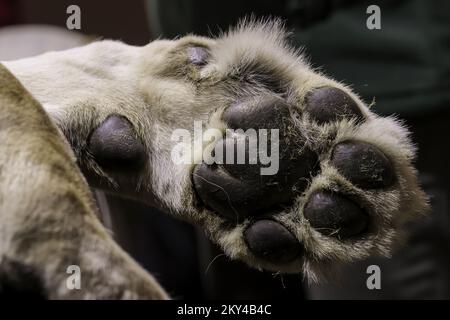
47,220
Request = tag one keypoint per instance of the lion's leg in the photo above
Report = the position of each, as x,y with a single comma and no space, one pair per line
47,220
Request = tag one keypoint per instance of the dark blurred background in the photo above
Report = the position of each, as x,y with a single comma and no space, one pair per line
404,67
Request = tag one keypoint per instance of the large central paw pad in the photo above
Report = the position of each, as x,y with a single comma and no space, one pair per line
238,191
338,162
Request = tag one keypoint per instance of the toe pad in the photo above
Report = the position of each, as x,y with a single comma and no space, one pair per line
329,104
335,215
363,164
272,242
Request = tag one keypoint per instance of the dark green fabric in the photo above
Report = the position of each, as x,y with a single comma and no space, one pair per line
404,67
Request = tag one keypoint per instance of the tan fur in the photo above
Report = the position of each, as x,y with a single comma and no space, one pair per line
159,91
47,219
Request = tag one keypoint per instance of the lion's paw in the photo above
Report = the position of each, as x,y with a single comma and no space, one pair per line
343,186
